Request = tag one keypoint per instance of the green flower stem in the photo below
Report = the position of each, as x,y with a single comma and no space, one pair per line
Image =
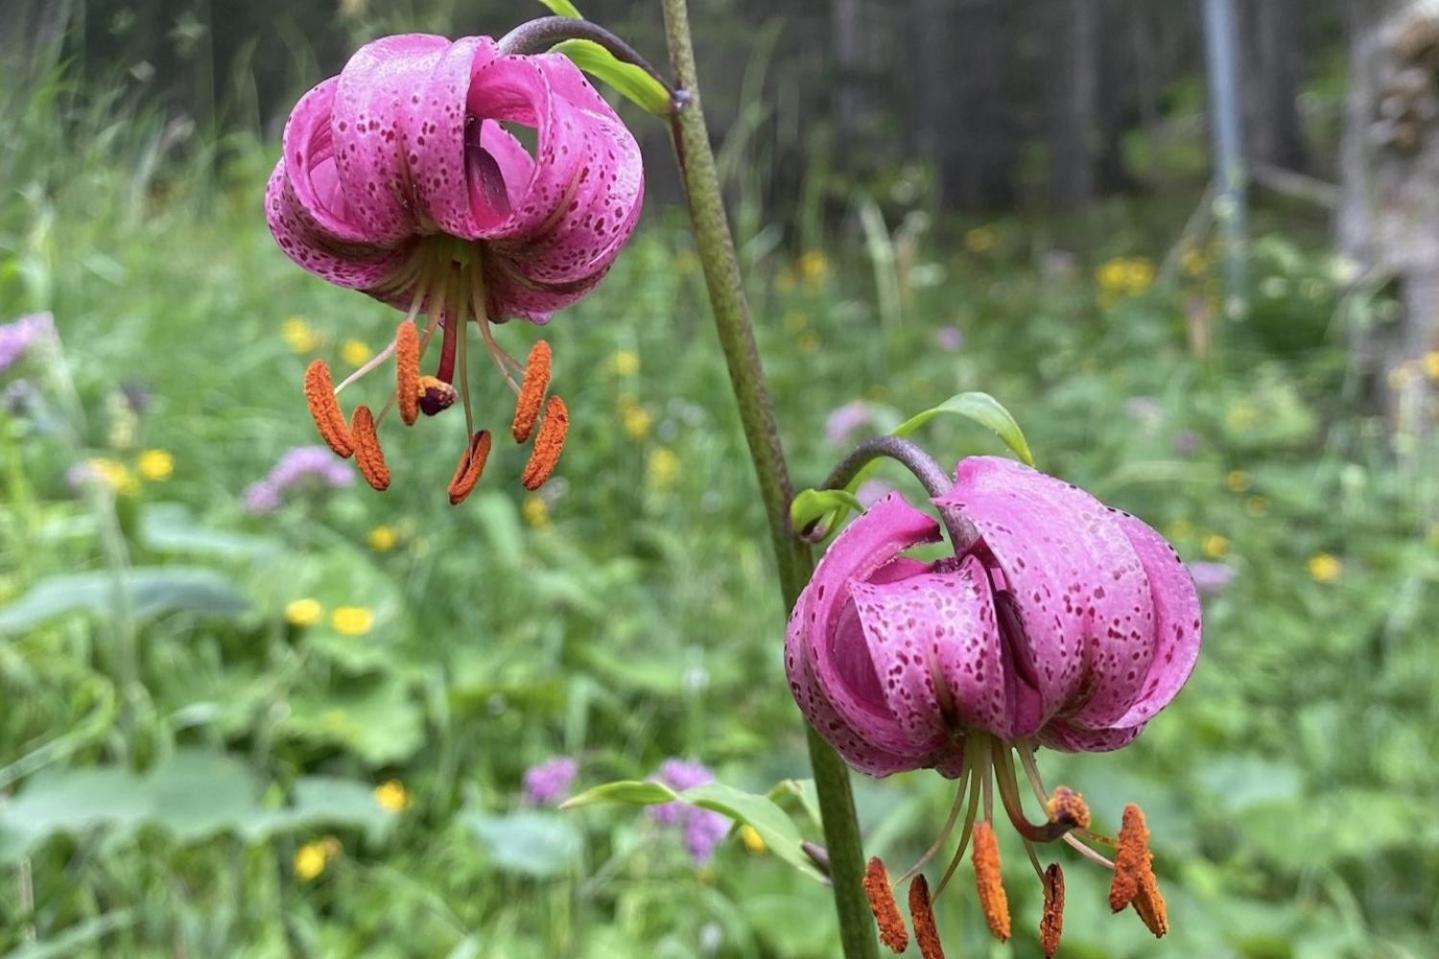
732,321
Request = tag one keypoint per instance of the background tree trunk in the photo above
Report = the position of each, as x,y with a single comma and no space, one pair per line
1272,64
1073,101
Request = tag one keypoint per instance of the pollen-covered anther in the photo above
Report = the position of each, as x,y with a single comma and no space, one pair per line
532,391
1149,903
407,372
921,914
886,911
1068,807
1131,859
368,455
987,876
329,418
1051,923
549,443
471,465
434,395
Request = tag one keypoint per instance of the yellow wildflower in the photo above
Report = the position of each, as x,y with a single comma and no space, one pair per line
1238,481
662,469
1256,506
624,363
299,335
352,620
981,239
1325,567
535,512
392,796
112,474
635,419
813,266
1431,365
156,465
355,352
383,539
1215,546
1194,262
310,860
304,612
751,838
1124,277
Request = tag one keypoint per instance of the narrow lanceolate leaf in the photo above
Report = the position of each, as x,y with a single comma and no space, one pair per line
980,408
773,824
628,80
563,8
631,792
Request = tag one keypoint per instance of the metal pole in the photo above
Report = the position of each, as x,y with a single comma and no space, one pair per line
1227,136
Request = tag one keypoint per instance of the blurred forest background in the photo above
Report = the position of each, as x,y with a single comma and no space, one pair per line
250,708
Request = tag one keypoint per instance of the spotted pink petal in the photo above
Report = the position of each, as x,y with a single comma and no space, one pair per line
1083,602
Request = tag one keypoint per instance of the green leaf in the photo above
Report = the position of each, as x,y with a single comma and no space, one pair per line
563,8
170,528
982,409
810,505
151,591
771,822
630,81
530,842
633,792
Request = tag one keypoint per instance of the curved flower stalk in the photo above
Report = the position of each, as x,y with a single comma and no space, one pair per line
400,178
1057,621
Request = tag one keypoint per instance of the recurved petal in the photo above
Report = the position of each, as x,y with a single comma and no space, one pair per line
1083,602
299,235
1178,621
858,751
1075,739
937,627
387,108
835,644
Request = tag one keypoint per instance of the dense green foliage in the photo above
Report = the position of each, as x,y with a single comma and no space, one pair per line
188,769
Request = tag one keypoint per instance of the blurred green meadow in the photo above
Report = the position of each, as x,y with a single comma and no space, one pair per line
303,732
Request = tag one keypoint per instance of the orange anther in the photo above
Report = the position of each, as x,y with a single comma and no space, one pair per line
532,391
407,372
549,443
886,911
472,464
992,898
368,455
1149,903
1131,858
1051,924
1068,806
329,418
921,913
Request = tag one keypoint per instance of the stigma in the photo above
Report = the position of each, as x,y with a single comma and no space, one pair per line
989,766
445,279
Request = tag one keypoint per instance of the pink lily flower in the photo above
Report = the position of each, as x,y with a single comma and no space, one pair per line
1062,623
401,179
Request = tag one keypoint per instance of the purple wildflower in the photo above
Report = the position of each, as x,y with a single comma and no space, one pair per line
844,420
701,829
17,397
18,337
949,338
1211,579
548,783
309,466
1186,443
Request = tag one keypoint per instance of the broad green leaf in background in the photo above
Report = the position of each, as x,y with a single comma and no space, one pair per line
628,80
152,592
771,822
171,528
827,510
529,842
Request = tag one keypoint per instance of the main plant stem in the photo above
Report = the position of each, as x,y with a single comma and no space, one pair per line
756,408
